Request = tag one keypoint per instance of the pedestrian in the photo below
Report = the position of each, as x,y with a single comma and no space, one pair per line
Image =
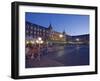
27,52
32,52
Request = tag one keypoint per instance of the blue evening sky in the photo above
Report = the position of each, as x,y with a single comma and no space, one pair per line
72,24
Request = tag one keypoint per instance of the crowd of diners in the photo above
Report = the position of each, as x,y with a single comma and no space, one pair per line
35,51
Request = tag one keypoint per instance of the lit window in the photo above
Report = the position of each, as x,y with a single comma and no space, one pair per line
34,32
27,26
34,36
40,30
37,29
27,31
31,27
43,30
44,34
34,28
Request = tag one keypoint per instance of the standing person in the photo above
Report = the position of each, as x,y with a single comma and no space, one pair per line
35,52
38,52
27,51
32,52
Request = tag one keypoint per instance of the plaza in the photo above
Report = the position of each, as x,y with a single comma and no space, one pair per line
68,55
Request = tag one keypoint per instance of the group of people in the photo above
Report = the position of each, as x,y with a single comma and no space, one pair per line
35,51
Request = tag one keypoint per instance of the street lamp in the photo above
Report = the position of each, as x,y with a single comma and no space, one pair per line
60,35
77,39
39,38
32,42
27,42
39,41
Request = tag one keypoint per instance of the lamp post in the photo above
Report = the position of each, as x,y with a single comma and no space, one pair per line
77,40
27,42
60,35
39,38
32,42
39,41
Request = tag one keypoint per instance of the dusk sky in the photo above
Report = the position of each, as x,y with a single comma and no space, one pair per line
72,24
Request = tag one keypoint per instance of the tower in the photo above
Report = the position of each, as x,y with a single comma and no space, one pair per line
50,31
50,27
64,33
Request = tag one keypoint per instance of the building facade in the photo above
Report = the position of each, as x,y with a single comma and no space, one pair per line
33,31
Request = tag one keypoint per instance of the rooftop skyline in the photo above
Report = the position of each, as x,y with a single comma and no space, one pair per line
72,24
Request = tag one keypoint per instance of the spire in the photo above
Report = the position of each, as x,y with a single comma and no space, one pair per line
64,32
50,26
